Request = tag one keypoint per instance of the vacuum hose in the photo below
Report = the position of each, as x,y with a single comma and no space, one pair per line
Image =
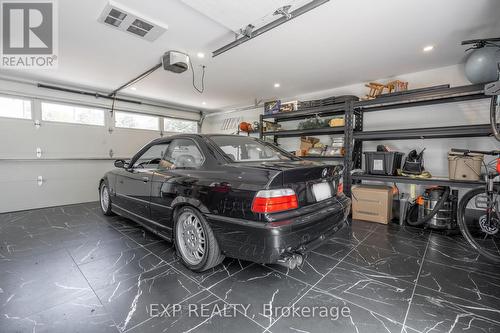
426,218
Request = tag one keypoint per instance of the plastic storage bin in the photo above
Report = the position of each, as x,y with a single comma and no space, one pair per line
383,163
462,167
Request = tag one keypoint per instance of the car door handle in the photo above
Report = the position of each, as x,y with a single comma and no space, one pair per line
145,179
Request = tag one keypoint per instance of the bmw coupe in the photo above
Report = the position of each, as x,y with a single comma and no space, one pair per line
227,195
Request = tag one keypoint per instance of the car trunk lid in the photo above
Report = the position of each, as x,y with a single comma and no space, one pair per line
312,181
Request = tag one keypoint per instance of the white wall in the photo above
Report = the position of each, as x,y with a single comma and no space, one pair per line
473,112
74,156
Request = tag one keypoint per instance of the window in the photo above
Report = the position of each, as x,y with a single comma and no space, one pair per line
65,113
182,153
246,149
151,157
137,121
180,126
15,108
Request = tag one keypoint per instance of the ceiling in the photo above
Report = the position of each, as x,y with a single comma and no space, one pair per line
339,43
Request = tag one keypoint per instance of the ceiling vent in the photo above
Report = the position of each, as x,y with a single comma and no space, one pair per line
122,18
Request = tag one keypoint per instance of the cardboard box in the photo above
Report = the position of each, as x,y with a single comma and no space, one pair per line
307,142
372,203
300,153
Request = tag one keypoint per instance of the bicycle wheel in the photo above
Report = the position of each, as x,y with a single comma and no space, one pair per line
495,116
472,212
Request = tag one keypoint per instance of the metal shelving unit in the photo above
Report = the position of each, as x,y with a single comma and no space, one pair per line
421,97
344,108
419,181
325,111
305,132
354,136
426,133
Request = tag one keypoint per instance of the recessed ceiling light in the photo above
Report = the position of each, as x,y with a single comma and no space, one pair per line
133,88
204,103
200,55
428,48
277,85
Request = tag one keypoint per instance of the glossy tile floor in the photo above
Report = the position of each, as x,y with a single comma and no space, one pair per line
70,269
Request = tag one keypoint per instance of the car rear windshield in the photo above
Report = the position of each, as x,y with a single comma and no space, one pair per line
247,149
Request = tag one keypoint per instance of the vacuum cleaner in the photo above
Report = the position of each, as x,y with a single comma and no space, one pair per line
435,209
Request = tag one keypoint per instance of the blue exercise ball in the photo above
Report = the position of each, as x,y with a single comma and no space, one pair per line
482,65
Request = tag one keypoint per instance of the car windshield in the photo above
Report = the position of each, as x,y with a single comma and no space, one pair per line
247,149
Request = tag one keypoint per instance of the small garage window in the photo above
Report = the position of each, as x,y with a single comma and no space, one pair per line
66,113
180,126
137,121
15,108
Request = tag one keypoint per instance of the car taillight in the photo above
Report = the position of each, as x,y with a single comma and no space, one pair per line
498,165
340,187
272,201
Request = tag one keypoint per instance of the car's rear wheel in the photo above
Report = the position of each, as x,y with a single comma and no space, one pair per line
105,200
195,241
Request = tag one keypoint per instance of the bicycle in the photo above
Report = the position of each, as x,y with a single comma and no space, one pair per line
479,211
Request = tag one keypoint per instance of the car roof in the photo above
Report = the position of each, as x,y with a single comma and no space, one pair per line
189,135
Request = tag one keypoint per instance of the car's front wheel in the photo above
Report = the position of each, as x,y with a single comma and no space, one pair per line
105,200
195,241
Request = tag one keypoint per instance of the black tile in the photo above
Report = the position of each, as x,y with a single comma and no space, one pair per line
163,249
96,248
359,224
83,313
203,312
128,301
334,249
340,316
33,283
432,311
383,294
314,268
118,267
462,256
259,286
122,224
42,232
370,258
470,285
403,231
128,267
353,233
214,275
396,244
142,236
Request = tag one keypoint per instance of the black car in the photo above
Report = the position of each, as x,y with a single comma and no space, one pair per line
227,195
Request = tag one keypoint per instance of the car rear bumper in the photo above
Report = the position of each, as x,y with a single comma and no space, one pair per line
297,231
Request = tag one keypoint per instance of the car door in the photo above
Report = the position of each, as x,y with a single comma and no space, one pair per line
133,184
172,179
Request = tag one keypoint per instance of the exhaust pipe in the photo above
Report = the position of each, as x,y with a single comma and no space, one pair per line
291,261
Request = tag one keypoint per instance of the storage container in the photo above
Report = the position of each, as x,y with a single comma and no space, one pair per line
464,167
383,163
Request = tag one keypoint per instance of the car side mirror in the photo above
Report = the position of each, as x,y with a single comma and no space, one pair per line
120,164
